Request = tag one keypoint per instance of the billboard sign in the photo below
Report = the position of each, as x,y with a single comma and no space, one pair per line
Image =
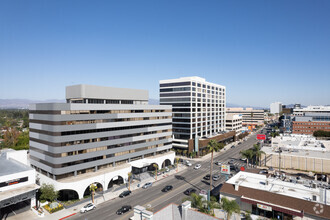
261,136
225,169
264,207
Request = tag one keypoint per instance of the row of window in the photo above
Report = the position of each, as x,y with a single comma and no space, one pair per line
75,112
199,85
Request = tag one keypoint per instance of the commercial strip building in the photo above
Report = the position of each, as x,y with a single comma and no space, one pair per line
234,123
17,181
250,117
99,136
276,108
274,197
198,110
299,152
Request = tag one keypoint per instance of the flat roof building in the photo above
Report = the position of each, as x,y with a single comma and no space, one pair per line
250,116
234,123
276,108
100,131
273,197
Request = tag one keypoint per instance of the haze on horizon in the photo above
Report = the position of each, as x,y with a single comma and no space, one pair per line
262,51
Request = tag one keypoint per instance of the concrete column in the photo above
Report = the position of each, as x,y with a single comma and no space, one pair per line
54,177
314,165
33,202
95,169
113,164
154,153
47,174
75,173
86,101
291,161
322,165
185,206
129,159
305,163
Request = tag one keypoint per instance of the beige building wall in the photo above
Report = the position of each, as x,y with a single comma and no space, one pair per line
305,163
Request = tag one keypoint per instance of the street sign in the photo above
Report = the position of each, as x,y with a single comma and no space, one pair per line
225,169
261,136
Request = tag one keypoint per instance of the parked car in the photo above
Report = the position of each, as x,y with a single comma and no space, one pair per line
218,163
216,177
233,146
189,191
147,185
188,163
167,169
198,166
125,193
167,188
88,207
263,171
207,177
231,161
123,209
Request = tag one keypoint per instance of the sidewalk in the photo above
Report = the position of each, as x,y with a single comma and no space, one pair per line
66,213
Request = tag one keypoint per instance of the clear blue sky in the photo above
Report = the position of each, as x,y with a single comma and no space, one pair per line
262,51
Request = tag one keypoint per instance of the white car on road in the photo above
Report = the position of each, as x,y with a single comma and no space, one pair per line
198,166
188,163
88,207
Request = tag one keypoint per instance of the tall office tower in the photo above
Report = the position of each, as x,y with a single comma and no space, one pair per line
276,108
100,135
198,108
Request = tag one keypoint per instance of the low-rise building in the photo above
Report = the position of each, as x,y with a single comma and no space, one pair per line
250,117
277,198
17,180
234,123
310,122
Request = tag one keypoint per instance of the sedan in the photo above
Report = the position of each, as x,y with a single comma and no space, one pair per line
123,209
167,188
189,191
218,163
207,177
125,193
198,166
147,185
216,177
231,161
88,207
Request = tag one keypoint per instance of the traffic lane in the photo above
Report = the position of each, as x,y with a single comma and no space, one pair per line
189,175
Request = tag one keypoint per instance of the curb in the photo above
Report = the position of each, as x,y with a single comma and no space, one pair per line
68,216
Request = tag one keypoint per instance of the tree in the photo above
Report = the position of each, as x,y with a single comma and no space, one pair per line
229,206
92,189
197,201
179,151
211,147
177,159
129,180
185,153
10,137
213,204
248,154
257,153
156,166
48,192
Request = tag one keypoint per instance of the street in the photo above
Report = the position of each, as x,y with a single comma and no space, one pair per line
156,199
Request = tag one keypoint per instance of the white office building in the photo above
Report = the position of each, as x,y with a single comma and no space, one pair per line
99,136
198,108
276,108
234,123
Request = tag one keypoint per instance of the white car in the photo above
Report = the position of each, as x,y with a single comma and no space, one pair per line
147,185
88,207
198,166
188,163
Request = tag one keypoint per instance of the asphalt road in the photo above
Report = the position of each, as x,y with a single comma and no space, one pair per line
154,197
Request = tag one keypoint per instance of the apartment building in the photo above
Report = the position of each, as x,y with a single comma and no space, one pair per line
99,136
250,116
198,108
234,123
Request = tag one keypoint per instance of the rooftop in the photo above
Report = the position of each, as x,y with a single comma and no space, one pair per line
10,166
275,185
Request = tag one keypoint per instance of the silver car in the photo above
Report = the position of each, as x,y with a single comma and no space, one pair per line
147,185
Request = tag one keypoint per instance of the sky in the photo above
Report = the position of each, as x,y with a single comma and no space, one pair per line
262,51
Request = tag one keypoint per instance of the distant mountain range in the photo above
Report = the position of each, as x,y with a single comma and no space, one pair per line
24,103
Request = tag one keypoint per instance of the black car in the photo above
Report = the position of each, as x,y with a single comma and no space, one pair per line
189,191
207,177
123,209
124,194
167,188
232,146
234,168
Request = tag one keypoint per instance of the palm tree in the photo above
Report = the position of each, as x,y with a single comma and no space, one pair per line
185,153
257,153
177,159
92,188
129,180
229,206
211,147
213,204
156,166
197,201
179,151
248,154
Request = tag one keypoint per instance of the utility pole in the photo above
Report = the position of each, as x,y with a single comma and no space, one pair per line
279,164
